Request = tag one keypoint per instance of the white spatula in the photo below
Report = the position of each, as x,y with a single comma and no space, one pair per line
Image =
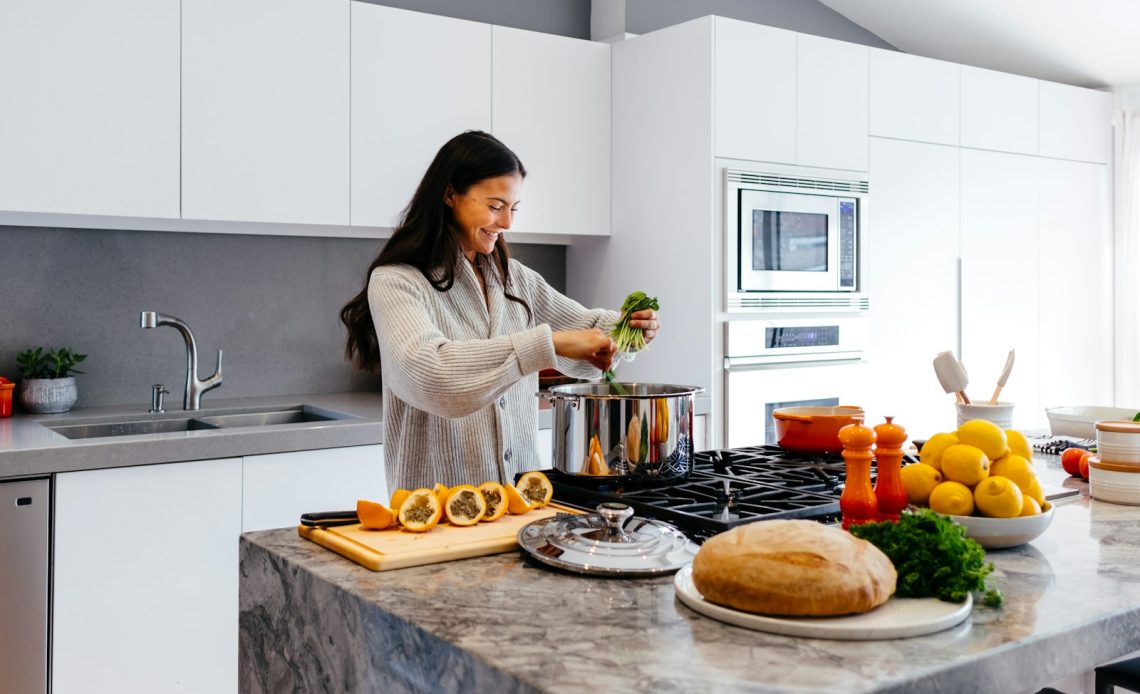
952,375
1003,378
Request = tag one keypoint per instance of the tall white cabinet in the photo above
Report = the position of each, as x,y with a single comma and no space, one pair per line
89,115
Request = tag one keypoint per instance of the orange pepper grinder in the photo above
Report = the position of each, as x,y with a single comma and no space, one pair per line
857,502
889,489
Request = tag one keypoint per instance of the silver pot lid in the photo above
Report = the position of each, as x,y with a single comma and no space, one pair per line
610,542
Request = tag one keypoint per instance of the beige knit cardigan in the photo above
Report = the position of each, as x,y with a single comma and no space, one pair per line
460,374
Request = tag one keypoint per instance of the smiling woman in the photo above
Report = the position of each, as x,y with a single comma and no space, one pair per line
460,330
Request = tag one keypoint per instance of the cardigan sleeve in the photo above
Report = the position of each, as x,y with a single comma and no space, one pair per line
447,378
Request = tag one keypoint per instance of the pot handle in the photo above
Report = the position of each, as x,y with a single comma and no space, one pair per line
794,417
551,397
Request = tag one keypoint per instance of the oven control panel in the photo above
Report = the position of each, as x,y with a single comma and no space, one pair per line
804,339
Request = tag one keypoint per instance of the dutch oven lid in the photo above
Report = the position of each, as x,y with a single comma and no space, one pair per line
610,542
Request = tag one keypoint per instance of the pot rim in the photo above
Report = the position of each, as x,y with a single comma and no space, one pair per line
813,413
567,391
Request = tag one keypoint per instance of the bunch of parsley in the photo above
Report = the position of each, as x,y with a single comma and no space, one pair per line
933,557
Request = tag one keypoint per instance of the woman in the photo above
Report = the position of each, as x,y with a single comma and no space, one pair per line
460,331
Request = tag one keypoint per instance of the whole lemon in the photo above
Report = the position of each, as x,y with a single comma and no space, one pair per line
1016,468
998,497
1030,507
952,498
983,434
1018,444
966,464
932,450
919,481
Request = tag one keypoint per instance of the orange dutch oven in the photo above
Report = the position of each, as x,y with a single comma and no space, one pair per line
814,429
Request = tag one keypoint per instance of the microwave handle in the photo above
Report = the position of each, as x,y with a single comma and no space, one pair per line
734,364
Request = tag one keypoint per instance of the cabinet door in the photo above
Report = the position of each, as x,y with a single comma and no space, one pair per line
999,111
89,121
417,81
265,110
1075,123
545,442
754,91
1000,259
831,103
550,103
145,592
912,280
1076,284
277,488
914,98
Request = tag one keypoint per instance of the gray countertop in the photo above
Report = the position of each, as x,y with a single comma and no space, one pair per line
501,623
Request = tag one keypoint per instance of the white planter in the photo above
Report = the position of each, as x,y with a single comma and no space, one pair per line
48,395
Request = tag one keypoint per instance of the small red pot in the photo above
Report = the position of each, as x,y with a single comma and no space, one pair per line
814,429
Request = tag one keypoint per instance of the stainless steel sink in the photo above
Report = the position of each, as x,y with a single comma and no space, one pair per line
134,428
202,421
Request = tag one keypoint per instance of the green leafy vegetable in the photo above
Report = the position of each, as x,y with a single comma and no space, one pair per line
627,338
933,557
1136,417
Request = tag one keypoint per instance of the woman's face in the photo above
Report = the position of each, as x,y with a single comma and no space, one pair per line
484,212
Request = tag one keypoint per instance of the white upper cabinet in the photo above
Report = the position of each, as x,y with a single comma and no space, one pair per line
999,111
754,98
550,104
914,98
1075,123
89,114
831,103
265,108
417,81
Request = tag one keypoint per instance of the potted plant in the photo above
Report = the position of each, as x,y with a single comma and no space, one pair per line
48,385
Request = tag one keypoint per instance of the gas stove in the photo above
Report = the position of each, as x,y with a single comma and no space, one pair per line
727,488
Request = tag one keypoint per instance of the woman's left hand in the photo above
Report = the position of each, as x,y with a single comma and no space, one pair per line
647,321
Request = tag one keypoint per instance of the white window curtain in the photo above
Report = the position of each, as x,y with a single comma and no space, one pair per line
1126,272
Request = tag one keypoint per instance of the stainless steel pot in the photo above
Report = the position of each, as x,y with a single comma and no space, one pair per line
646,434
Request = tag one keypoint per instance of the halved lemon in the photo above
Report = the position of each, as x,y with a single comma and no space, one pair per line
465,505
496,499
421,511
374,516
536,488
516,502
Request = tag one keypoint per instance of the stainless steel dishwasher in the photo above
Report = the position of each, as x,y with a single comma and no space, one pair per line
25,515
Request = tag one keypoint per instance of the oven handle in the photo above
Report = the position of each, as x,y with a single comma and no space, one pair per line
759,363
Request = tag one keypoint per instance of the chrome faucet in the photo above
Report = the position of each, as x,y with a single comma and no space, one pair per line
192,398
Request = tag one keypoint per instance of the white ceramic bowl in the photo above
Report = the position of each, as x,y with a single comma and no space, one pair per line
996,533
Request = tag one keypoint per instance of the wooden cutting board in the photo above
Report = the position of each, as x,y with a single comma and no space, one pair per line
382,550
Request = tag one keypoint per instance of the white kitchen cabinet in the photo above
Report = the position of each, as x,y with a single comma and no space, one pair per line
914,98
999,111
550,103
545,442
912,281
1001,305
831,103
700,433
278,487
265,110
1075,284
89,122
145,595
754,85
417,81
1075,123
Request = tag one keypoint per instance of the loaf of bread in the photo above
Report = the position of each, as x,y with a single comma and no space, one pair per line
793,568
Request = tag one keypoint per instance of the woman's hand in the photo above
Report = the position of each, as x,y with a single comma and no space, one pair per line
590,345
647,321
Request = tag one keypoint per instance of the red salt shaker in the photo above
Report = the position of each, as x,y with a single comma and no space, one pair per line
857,502
889,489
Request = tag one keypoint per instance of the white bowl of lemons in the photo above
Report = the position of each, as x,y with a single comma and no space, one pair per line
981,476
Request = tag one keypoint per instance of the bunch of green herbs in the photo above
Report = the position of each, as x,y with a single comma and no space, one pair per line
628,338
933,557
55,363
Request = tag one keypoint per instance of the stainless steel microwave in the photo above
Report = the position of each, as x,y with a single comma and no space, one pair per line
792,233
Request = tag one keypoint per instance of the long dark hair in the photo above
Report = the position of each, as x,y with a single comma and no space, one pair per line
427,237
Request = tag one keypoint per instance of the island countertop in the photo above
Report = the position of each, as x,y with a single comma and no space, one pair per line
313,621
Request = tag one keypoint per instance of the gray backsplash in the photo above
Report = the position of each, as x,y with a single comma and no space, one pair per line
271,302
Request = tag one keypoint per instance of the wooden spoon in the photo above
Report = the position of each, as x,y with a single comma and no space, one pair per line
1003,378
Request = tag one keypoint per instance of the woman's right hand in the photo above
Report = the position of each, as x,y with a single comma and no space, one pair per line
591,345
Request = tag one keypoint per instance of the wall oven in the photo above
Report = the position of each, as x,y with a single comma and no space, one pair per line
790,361
792,238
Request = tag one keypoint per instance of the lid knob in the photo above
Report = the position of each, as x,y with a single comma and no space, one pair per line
615,515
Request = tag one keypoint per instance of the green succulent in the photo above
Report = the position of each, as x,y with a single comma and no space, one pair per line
56,363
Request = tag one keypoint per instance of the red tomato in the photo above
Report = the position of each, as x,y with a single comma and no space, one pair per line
1070,459
1083,464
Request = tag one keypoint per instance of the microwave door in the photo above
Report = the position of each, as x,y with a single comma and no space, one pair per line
788,241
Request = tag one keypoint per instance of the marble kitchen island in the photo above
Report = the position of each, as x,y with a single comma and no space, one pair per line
312,621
